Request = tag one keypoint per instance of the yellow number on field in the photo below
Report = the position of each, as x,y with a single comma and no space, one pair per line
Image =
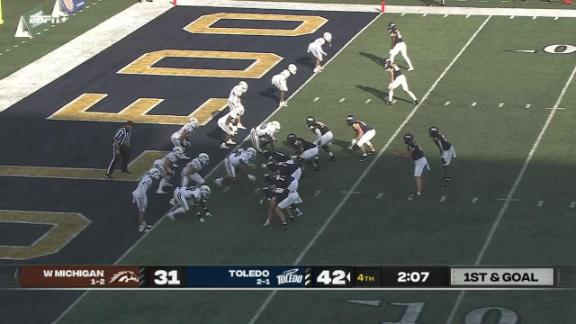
137,111
65,227
262,63
308,24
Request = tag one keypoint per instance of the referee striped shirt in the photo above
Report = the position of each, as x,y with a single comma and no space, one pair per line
122,136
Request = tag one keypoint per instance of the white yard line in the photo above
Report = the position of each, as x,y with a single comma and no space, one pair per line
511,193
518,12
327,222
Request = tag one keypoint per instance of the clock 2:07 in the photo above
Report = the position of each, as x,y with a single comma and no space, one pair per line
413,276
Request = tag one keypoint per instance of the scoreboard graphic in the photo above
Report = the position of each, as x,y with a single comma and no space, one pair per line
290,277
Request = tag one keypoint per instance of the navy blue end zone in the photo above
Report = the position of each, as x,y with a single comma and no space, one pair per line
27,137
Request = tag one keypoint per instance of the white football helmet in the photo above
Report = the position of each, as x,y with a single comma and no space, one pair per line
193,122
292,68
275,125
154,173
204,159
172,157
250,153
244,86
328,37
205,192
179,152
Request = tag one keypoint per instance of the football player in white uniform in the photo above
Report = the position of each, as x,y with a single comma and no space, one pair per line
240,160
180,138
323,134
190,171
227,124
235,103
279,81
166,165
315,48
185,197
398,45
397,79
264,136
140,197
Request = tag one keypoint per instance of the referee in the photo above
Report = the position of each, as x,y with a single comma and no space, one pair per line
121,148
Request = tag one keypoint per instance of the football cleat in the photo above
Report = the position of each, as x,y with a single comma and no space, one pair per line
218,182
363,158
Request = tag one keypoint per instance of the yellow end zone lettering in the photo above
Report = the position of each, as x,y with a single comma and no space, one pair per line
137,111
66,226
308,24
144,65
138,166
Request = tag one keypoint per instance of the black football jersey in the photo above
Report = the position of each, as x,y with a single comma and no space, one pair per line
415,151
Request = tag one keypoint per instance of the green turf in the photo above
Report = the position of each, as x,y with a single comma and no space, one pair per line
57,35
492,144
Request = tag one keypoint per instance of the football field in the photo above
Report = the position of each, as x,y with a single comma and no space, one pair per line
509,116
500,85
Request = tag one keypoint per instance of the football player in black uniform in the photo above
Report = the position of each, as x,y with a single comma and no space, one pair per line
398,45
306,151
285,167
285,182
397,79
363,135
446,149
415,153
279,200
323,134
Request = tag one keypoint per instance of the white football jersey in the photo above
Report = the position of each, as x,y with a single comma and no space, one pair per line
144,184
316,47
193,194
238,157
186,127
266,130
284,75
192,166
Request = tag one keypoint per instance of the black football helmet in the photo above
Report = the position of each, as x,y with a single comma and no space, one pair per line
291,138
391,26
310,120
268,177
408,138
433,131
350,119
